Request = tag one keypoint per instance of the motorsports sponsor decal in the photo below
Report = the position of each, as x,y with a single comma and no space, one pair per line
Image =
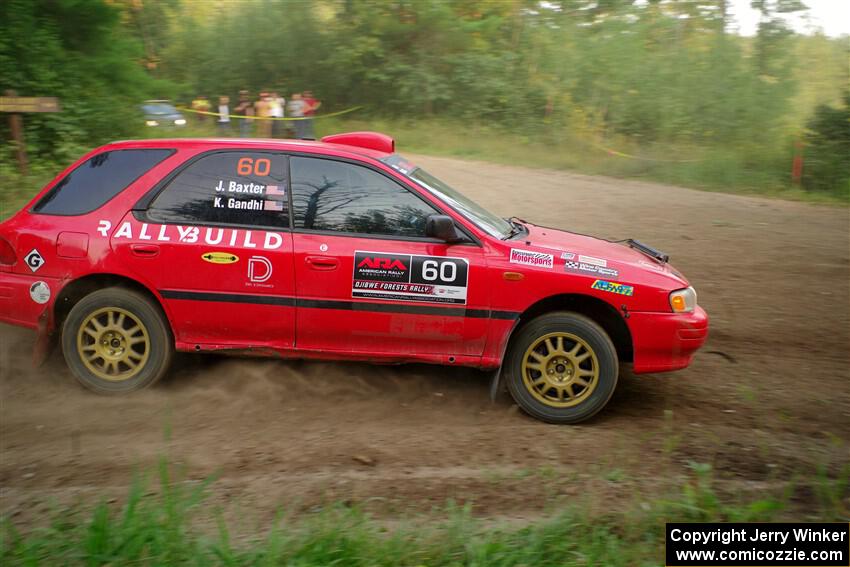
410,277
232,237
588,265
611,287
531,258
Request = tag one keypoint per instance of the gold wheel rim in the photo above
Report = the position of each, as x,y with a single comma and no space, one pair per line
560,369
113,344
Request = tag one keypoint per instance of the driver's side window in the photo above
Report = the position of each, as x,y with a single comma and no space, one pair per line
342,197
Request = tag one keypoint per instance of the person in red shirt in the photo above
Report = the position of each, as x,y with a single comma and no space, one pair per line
310,108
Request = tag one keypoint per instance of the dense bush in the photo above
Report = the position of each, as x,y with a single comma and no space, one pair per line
827,165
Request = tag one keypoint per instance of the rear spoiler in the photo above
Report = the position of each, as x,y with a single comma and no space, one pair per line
648,250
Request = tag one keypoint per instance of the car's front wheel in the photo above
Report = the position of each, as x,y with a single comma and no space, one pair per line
561,368
117,340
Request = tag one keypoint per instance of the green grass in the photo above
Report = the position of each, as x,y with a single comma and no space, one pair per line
173,525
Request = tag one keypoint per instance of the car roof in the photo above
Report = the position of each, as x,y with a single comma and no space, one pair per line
204,144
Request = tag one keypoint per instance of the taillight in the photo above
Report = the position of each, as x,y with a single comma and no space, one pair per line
7,253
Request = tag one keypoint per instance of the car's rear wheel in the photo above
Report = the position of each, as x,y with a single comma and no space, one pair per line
561,368
116,341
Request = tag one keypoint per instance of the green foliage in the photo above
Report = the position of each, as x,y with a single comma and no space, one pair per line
657,78
79,51
827,165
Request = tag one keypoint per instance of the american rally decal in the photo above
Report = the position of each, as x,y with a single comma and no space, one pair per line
410,277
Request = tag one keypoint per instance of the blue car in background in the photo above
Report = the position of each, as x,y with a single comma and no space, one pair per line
162,113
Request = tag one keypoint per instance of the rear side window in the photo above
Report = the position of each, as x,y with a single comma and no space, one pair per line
231,187
97,180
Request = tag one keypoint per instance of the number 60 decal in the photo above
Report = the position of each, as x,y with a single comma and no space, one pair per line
251,166
447,271
437,270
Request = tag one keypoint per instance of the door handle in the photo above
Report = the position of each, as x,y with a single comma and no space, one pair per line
322,262
145,250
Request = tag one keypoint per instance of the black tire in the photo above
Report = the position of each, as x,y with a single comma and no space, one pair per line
152,346
527,396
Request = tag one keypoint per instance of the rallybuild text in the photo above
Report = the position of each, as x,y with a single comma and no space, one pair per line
758,544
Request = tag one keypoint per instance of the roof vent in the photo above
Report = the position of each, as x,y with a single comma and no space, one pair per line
369,140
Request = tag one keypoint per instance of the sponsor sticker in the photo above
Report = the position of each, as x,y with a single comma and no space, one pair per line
592,260
219,257
567,256
259,270
612,287
34,260
40,292
410,277
232,237
531,258
578,267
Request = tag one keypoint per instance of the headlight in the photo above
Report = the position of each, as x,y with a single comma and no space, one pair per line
683,300
151,123
180,121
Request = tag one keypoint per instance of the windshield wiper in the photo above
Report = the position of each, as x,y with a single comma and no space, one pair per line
516,228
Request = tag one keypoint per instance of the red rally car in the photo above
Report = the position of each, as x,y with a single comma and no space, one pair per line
339,249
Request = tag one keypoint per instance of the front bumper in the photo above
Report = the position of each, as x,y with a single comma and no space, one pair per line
666,341
17,307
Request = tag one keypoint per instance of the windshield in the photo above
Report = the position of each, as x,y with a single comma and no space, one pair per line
487,221
159,109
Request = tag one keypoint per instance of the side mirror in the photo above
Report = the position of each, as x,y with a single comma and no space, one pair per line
442,227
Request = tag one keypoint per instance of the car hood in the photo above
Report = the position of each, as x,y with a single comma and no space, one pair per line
619,256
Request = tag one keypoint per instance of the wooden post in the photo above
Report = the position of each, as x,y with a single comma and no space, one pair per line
15,105
16,126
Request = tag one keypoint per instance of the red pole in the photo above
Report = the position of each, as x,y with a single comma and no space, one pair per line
797,164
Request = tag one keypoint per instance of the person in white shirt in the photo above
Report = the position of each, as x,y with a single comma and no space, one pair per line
223,116
297,106
276,106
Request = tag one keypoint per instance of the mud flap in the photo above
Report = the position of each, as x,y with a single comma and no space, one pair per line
496,384
44,342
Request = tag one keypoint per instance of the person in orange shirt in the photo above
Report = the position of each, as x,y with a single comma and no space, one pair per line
202,104
263,110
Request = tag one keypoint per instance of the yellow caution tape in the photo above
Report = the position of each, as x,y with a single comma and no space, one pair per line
346,111
613,152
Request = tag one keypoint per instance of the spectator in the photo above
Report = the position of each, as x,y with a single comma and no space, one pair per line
223,116
201,104
245,108
296,111
277,104
311,106
263,110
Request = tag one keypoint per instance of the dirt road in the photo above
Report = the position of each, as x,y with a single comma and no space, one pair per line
767,399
